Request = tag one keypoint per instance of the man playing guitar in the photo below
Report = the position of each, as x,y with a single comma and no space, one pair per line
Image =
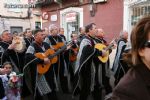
39,85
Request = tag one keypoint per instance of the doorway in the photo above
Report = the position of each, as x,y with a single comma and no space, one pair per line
71,19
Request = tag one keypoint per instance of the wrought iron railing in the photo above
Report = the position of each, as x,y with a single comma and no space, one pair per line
47,2
44,2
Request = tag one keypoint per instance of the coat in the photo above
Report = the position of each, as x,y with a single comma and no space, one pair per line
135,85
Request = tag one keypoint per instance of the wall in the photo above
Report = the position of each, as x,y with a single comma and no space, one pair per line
13,12
14,17
108,16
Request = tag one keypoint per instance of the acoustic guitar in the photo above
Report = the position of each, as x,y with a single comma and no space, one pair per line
43,68
73,56
52,55
101,47
58,45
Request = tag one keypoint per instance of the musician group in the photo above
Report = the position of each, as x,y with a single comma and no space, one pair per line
51,64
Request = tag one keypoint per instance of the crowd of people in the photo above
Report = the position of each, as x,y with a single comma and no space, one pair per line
40,63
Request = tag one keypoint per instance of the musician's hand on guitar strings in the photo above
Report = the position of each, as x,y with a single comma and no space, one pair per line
46,61
68,47
104,53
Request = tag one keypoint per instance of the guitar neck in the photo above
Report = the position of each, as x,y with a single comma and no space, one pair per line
109,47
58,52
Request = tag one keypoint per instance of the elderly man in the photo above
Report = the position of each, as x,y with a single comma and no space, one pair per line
87,76
61,68
82,33
9,52
28,37
4,43
118,68
38,85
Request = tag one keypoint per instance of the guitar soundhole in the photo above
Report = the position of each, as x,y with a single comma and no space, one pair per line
42,66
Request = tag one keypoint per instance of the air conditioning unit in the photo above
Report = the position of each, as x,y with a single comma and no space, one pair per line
98,1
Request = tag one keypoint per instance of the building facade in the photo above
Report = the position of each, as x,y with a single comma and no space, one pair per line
133,11
15,15
72,14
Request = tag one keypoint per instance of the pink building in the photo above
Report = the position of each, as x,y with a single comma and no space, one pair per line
72,14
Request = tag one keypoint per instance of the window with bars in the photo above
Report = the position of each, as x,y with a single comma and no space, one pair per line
138,12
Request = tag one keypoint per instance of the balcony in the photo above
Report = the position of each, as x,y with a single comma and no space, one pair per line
46,2
43,2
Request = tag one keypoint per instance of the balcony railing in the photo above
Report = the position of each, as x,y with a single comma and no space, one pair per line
46,2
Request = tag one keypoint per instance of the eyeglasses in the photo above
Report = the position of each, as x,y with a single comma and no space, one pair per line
147,44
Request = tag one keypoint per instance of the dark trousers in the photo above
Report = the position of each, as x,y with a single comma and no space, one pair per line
96,94
107,86
121,71
86,83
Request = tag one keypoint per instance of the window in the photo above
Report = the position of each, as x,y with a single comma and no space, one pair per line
37,25
72,21
138,12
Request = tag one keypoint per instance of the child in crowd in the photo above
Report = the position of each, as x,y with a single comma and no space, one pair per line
11,83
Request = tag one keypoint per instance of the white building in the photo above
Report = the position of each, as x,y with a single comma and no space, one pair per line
133,11
15,15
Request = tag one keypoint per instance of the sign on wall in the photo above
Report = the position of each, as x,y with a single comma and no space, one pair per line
71,17
54,17
98,1
45,15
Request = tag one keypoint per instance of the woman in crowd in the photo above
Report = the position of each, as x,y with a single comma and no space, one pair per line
135,85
